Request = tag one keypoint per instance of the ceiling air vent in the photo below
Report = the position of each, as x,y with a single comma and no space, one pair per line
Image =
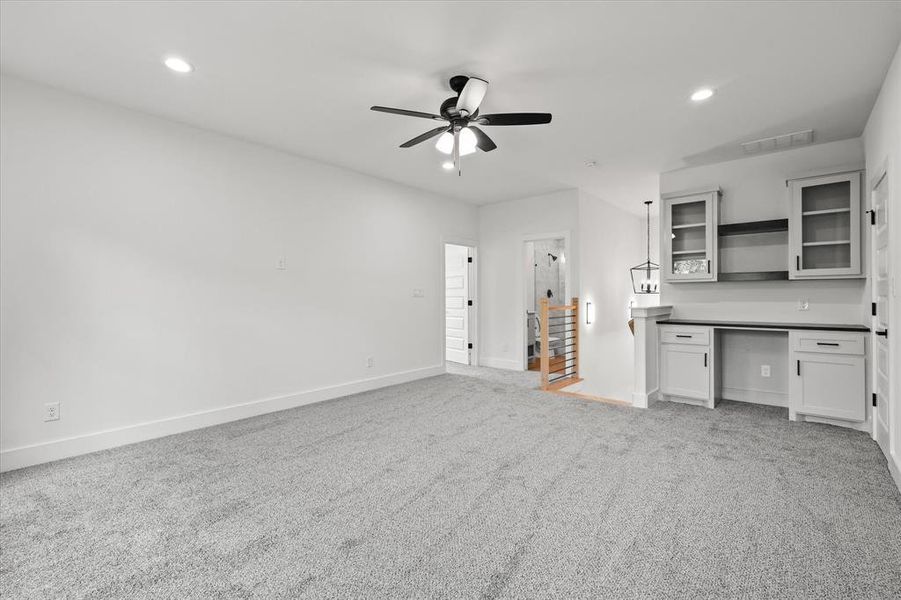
779,142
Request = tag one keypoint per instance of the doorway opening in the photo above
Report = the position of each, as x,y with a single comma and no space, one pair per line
459,285
545,277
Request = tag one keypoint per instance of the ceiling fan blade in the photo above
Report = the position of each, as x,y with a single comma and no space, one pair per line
483,142
425,136
472,95
407,113
515,119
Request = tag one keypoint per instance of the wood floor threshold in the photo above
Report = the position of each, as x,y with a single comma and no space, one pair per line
589,397
562,383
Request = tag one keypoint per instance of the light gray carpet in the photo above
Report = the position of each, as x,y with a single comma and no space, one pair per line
461,487
526,379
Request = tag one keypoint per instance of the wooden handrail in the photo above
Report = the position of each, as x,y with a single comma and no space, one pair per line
565,369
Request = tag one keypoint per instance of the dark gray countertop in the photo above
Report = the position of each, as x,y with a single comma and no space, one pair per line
764,325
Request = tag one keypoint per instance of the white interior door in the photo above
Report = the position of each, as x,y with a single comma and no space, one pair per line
456,318
880,281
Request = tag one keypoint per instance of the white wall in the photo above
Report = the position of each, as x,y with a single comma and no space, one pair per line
610,242
139,279
503,229
754,189
882,142
604,242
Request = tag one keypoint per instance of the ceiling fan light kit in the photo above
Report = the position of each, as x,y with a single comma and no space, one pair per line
460,135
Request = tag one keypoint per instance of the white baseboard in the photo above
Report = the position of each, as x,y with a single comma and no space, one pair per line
864,426
895,469
24,456
500,363
755,396
640,400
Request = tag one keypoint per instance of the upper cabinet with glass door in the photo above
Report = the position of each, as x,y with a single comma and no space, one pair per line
689,229
824,228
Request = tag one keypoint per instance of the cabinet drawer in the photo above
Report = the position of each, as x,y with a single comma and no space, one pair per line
829,342
685,335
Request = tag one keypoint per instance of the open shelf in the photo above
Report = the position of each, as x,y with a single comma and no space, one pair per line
754,276
751,227
829,243
699,251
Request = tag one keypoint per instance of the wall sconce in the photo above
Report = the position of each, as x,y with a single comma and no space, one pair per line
588,313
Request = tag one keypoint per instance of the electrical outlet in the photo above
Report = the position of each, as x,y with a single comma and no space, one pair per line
803,304
369,362
282,264
51,411
764,370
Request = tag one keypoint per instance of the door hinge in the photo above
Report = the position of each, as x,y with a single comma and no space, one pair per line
469,259
469,303
872,214
469,345
874,398
874,309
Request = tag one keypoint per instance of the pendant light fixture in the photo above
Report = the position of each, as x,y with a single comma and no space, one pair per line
646,276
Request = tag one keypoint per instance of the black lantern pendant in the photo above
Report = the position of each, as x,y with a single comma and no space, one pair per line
646,276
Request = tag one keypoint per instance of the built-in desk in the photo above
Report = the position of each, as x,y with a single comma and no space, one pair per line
827,366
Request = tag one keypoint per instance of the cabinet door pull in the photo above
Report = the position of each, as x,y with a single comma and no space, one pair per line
797,262
883,333
682,335
799,367
828,344
708,266
705,360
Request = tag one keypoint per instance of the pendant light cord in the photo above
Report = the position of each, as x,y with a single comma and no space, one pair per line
647,205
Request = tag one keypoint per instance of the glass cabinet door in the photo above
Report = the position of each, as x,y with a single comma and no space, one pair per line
690,237
825,226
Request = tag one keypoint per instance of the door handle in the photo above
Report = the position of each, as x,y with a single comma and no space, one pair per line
883,333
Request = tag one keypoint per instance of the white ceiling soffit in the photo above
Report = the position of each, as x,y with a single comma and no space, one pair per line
617,78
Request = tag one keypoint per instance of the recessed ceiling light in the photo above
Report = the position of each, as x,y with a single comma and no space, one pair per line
702,94
179,65
447,165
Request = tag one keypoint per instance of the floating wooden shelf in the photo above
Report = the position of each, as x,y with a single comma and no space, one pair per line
754,276
771,226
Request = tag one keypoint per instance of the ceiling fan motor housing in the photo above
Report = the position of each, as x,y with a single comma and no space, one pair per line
449,108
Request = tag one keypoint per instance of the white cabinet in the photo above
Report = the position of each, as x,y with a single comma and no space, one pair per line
828,377
824,227
689,230
686,364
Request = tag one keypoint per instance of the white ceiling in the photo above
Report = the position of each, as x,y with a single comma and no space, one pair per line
616,76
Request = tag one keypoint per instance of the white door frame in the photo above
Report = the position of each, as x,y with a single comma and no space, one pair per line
893,444
474,328
566,236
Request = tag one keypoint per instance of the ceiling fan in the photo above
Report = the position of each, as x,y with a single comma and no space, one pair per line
460,134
